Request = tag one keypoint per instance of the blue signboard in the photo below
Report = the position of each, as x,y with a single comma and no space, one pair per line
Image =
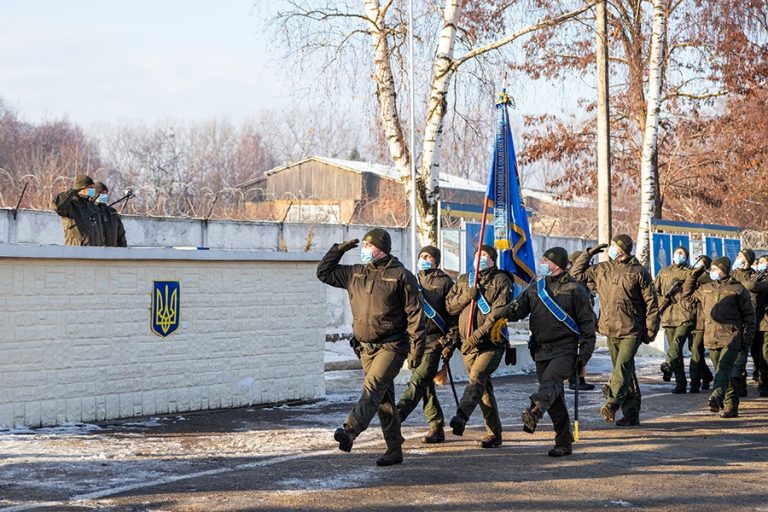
731,247
681,241
166,308
662,251
713,246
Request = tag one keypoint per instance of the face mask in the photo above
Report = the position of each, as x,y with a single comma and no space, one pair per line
613,252
680,259
738,265
762,267
544,270
483,263
90,192
425,264
714,275
103,198
366,255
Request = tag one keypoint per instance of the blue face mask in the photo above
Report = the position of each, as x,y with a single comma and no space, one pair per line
762,267
613,252
425,264
90,192
714,275
738,265
544,270
103,198
699,264
483,263
680,259
366,255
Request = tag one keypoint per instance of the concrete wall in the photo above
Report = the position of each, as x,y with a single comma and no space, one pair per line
44,228
76,345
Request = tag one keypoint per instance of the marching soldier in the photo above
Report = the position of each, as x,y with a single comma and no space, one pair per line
701,375
676,319
729,324
742,271
628,317
481,355
114,232
563,325
435,285
79,217
388,325
760,286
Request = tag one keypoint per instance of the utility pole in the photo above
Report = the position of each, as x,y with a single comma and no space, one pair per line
603,129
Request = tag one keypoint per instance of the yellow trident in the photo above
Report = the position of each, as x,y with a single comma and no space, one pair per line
165,309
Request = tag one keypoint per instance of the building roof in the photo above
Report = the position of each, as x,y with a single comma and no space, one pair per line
385,171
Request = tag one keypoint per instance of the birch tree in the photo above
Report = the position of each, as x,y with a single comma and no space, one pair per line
383,23
648,170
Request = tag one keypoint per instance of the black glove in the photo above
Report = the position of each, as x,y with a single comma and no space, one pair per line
349,244
474,291
414,356
355,346
596,250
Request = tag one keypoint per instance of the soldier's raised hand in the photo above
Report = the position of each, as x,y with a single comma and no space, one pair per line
597,249
347,245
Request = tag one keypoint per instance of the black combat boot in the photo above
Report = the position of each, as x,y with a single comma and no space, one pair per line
679,389
729,412
434,436
490,441
531,417
715,404
666,372
695,386
390,457
345,437
608,411
630,420
458,423
705,382
560,451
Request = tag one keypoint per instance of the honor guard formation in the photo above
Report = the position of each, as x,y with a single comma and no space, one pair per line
717,305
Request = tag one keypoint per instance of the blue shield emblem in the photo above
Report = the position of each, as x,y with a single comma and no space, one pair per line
166,308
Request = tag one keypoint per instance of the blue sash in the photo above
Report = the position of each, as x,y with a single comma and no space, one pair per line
555,309
482,304
433,315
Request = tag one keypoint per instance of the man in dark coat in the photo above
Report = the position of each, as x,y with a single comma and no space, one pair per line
114,232
729,326
559,346
388,325
79,217
481,355
435,285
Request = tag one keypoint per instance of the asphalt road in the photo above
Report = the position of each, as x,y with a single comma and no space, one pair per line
284,458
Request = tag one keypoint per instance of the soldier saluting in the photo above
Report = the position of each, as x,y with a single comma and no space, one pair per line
629,316
114,232
561,319
388,324
79,217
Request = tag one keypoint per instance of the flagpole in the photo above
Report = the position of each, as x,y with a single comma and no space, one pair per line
412,140
473,304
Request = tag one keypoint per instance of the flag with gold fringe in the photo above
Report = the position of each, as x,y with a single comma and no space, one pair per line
512,236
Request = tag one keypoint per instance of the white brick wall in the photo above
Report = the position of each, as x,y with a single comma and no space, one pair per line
76,345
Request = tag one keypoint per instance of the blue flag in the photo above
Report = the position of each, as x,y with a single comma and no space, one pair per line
512,236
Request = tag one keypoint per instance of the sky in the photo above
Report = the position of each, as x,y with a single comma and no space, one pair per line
97,61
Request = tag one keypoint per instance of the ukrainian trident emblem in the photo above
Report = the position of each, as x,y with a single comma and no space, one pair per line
166,308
